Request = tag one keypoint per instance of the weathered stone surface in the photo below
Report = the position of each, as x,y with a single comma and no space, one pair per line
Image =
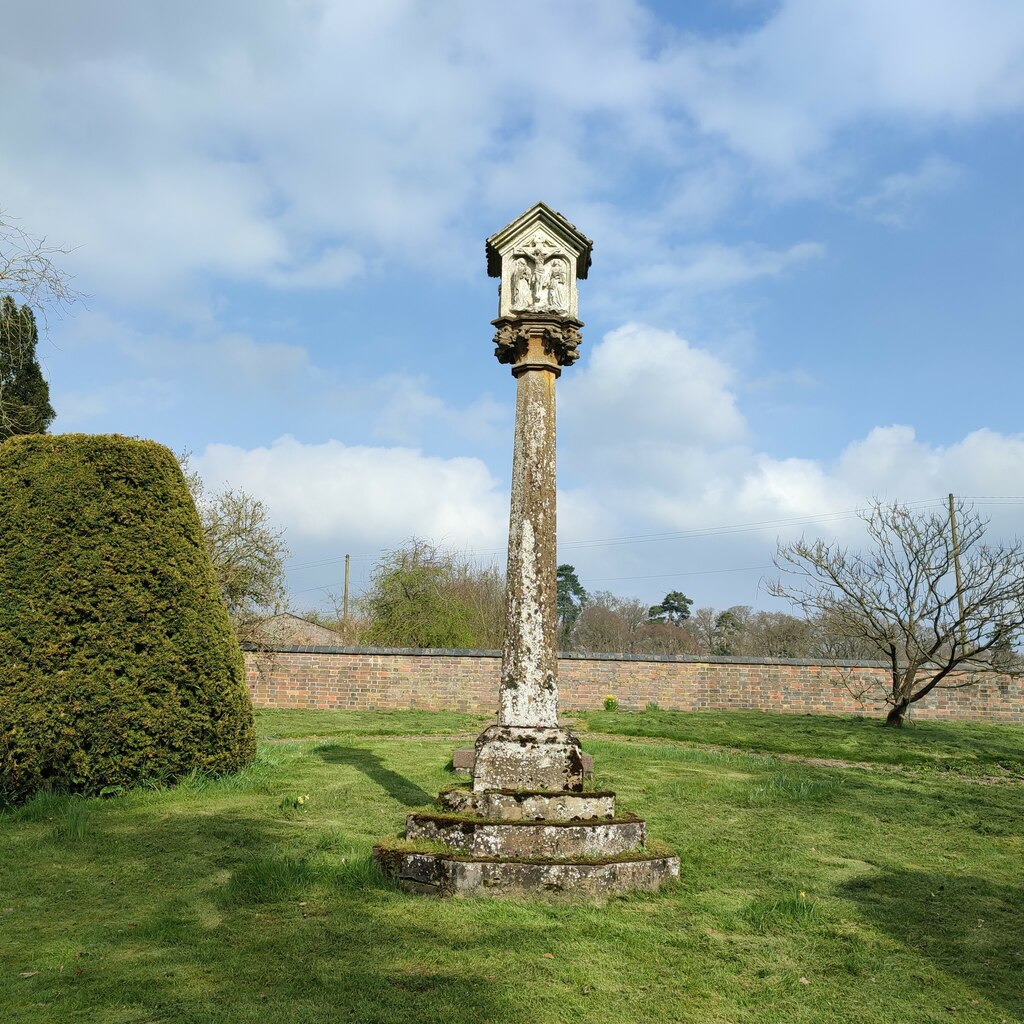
446,875
526,827
521,757
528,692
464,759
538,257
538,342
522,805
600,838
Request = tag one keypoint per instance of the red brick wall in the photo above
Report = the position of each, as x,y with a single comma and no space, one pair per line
468,681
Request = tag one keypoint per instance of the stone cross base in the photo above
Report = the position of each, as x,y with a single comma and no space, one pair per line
513,843
464,760
526,758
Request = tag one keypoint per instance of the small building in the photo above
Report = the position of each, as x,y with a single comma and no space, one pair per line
290,630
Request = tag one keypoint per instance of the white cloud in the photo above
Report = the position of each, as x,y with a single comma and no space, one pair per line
403,409
712,267
653,438
361,495
894,200
649,384
292,142
298,144
107,371
780,93
652,441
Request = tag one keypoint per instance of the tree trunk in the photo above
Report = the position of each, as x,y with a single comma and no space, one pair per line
897,714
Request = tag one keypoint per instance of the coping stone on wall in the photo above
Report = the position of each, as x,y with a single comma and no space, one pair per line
465,652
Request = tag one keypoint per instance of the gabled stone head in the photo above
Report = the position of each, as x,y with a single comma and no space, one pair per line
539,258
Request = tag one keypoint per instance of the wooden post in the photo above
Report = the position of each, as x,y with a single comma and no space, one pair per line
956,567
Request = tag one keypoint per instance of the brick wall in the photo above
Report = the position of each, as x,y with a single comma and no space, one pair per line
338,677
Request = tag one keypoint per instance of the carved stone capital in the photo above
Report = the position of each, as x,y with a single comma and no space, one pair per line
526,340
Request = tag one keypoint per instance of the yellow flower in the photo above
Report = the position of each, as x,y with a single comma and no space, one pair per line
803,895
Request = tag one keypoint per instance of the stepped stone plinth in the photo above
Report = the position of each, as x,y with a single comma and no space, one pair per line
526,805
526,826
524,757
449,875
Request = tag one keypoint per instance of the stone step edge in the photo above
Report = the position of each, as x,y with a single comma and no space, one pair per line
446,818
595,793
444,875
464,760
390,850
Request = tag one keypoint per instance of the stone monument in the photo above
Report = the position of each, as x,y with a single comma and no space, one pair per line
527,825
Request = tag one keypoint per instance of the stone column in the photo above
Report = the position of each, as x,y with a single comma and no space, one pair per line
527,749
529,668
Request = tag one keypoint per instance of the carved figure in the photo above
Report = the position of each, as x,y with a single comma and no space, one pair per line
522,285
556,286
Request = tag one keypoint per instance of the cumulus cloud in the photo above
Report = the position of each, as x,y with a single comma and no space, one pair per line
332,497
653,415
650,384
660,480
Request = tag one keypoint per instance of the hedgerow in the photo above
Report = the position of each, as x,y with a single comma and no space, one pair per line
118,664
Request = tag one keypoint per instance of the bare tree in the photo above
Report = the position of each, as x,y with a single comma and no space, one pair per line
247,552
902,598
29,270
777,635
29,273
702,625
610,625
615,625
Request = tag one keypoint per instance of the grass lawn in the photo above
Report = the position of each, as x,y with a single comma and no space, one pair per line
808,892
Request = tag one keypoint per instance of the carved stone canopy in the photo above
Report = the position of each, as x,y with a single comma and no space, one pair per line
539,257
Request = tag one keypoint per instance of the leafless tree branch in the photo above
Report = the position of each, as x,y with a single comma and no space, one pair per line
901,597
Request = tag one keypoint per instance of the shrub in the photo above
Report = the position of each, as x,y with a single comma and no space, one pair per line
118,664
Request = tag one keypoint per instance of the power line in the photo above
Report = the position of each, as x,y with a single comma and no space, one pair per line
666,575
699,532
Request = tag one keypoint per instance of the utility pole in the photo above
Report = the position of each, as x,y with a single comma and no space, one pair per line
956,567
344,606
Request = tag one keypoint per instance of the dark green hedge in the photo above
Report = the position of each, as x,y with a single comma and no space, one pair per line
118,664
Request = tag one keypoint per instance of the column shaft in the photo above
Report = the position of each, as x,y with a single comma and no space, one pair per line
529,671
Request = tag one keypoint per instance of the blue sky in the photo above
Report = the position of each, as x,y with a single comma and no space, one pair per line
808,220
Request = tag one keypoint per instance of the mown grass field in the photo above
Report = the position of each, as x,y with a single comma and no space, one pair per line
809,892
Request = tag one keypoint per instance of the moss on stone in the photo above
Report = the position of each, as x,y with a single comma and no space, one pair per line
450,818
390,852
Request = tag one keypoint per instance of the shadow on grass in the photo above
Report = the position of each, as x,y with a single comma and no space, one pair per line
970,747
970,928
223,918
398,786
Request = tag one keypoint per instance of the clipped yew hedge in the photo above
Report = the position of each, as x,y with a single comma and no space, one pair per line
118,663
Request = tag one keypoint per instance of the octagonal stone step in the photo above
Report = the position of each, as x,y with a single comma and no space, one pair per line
444,874
464,759
519,805
483,837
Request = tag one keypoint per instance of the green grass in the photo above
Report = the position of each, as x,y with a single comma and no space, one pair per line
807,894
962,747
288,724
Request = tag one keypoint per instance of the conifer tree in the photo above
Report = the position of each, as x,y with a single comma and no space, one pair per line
24,394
